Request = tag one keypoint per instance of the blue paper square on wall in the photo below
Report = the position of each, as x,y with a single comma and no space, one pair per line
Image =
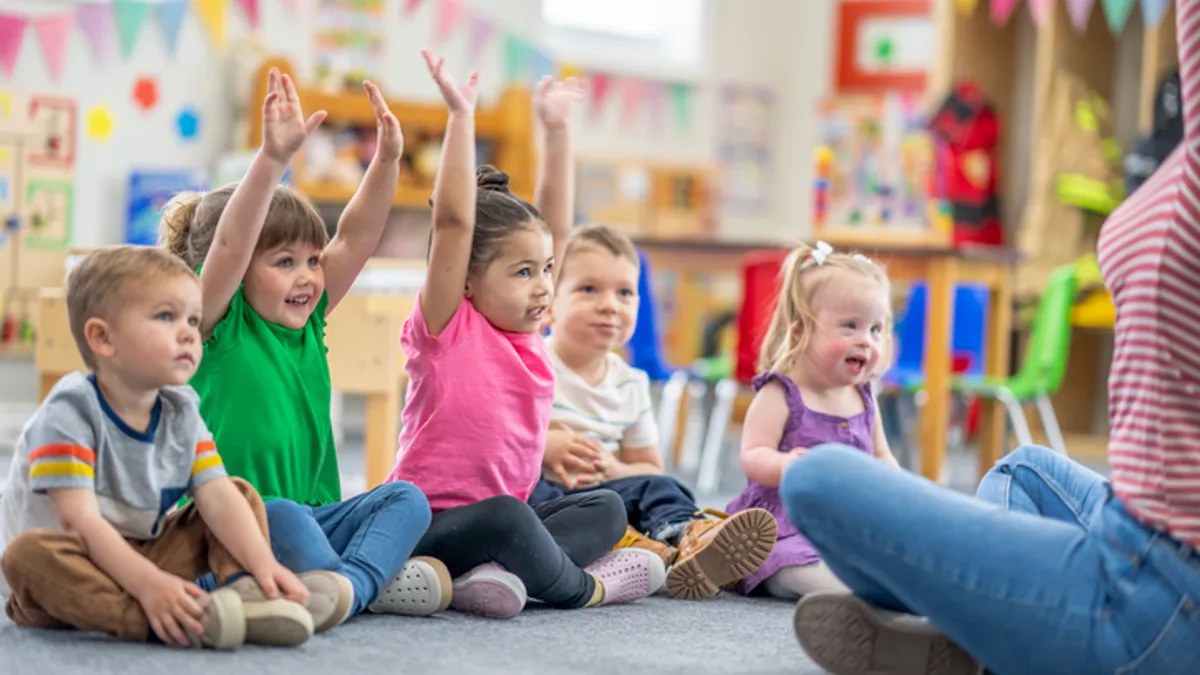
149,191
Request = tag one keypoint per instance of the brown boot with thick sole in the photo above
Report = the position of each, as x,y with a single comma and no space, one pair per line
844,635
716,553
635,539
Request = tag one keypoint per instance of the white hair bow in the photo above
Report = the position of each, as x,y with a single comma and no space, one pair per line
821,252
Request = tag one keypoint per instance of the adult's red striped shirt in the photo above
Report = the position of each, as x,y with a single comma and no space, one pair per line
1149,254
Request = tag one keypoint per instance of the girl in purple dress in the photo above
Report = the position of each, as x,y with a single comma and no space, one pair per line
829,336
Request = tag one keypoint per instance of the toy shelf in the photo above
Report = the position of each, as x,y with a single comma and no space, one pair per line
506,128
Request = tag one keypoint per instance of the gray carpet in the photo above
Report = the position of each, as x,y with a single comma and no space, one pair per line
728,635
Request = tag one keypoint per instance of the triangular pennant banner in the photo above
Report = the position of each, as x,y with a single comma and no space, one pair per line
411,6
170,17
631,101
966,7
1040,9
212,16
1079,11
480,33
1153,12
516,58
1002,10
250,9
542,66
54,31
1117,13
599,85
656,95
96,22
681,104
12,33
131,16
448,14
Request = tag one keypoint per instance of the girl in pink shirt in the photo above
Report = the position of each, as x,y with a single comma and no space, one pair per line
481,384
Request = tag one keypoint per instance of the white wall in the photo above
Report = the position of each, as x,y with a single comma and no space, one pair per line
785,44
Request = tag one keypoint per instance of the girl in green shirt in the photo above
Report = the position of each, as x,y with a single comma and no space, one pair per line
270,277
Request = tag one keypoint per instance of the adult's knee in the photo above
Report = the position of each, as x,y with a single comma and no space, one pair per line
814,481
1025,454
409,496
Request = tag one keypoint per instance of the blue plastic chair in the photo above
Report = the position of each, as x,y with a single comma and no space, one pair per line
970,315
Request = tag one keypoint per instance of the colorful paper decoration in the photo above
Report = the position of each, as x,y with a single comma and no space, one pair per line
1080,11
656,97
1040,10
188,123
12,34
681,103
516,58
411,6
598,85
1117,13
99,122
145,93
170,15
1002,10
212,16
567,70
631,99
1153,11
541,66
53,31
130,17
966,7
480,33
5,104
250,9
96,24
448,14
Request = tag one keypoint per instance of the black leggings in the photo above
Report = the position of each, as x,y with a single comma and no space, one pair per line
545,546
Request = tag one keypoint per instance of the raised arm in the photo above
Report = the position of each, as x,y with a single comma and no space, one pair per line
363,220
453,202
284,131
555,192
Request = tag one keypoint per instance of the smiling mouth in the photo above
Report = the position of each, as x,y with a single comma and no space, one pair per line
298,301
856,364
536,312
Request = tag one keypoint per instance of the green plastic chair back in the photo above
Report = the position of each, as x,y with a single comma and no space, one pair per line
1045,363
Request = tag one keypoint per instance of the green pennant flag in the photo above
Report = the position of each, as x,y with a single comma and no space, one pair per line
1117,13
516,58
130,16
681,104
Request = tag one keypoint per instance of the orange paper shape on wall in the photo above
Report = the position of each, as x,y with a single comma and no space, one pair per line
145,93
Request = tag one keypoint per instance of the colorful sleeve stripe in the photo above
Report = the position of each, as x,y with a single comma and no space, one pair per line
62,459
206,457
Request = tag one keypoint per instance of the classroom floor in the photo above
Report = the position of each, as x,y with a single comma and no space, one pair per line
728,635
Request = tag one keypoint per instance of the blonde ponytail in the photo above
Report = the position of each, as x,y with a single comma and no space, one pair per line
175,230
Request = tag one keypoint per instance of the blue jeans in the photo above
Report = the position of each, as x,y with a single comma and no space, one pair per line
1045,573
652,503
366,538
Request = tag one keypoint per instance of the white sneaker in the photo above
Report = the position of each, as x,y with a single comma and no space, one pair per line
489,591
421,588
628,574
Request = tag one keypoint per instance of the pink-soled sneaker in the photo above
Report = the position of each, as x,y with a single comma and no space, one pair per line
490,591
628,574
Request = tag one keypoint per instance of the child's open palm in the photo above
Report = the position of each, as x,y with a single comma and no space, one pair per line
460,99
555,98
284,126
389,138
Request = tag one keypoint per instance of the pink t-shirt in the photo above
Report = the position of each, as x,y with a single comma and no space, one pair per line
477,410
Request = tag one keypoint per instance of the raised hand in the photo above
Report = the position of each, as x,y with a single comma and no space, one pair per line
284,126
554,99
389,142
460,99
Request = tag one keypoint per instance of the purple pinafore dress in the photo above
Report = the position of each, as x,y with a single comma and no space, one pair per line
805,428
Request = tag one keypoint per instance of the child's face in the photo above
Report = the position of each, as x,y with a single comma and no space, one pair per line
284,283
596,305
154,339
513,292
851,316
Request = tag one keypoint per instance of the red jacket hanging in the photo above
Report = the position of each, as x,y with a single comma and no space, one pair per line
968,131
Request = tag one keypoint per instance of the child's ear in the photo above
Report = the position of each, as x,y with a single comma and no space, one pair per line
98,336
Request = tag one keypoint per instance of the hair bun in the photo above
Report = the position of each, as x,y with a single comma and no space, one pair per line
488,178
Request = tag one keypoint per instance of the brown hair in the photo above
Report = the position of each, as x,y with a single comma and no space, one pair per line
794,319
190,219
107,279
602,237
498,214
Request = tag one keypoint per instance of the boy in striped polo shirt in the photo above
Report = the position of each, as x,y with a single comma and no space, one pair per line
89,536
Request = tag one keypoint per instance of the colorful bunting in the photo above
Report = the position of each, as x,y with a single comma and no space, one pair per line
1002,10
681,104
516,58
131,16
542,66
212,15
250,9
1117,13
1041,9
448,14
480,33
656,95
1080,11
1153,11
12,34
411,6
96,23
631,99
966,7
53,31
598,85
170,17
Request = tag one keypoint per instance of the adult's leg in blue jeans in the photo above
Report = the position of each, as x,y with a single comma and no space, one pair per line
990,578
366,538
1037,480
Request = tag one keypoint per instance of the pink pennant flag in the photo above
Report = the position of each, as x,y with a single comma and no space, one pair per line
1002,10
631,100
448,14
250,7
410,7
481,30
96,22
656,100
1040,9
1079,12
53,31
599,85
12,33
